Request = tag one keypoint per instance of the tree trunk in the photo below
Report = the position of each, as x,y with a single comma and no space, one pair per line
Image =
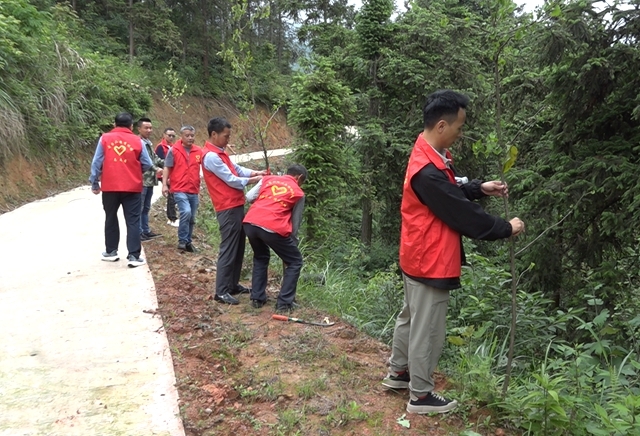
131,47
366,234
366,229
205,39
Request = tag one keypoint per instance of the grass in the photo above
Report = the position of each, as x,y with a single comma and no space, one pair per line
371,306
237,335
346,412
290,420
309,388
309,346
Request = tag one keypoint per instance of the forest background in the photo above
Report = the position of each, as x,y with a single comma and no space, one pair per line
555,106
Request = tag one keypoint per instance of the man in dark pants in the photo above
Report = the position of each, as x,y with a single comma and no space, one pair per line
118,164
149,179
437,210
162,150
273,222
225,183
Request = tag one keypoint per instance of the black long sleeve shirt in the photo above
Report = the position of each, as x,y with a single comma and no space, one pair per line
455,207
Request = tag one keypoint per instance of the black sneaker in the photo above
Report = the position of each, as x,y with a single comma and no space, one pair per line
110,257
133,261
284,309
257,304
182,246
152,235
240,290
189,248
144,237
397,380
430,403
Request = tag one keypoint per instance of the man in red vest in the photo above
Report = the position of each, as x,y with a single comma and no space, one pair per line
118,164
162,149
437,210
225,183
273,222
182,177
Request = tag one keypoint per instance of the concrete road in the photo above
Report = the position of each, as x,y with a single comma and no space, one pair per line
258,155
78,356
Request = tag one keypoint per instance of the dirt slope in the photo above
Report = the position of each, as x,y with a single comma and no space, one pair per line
241,373
24,179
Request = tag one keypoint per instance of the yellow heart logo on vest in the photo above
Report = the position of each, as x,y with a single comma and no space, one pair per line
119,149
278,190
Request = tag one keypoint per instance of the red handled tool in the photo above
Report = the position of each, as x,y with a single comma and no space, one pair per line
324,323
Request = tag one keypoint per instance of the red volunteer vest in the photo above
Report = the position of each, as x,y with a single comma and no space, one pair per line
121,169
428,247
164,146
185,174
272,209
223,196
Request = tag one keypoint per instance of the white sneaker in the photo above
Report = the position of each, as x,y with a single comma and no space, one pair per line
110,257
173,223
133,262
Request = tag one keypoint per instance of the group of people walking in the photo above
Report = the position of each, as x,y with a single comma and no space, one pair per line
437,210
125,168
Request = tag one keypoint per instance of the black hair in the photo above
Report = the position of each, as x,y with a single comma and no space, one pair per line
143,120
298,170
217,125
443,104
169,128
124,119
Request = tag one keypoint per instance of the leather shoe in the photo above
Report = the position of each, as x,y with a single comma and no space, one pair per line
257,304
190,248
240,290
225,298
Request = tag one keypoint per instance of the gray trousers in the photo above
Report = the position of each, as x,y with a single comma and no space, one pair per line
231,253
419,334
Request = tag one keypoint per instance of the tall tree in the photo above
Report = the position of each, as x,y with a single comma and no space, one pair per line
581,165
374,31
320,108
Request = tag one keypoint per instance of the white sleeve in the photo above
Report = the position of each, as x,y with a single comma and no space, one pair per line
252,195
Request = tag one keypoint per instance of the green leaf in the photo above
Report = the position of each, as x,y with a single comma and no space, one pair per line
556,12
403,421
511,159
456,340
601,318
595,302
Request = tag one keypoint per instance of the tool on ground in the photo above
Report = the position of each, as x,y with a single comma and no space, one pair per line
325,322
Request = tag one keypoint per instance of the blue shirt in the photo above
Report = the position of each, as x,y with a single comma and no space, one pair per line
98,160
214,164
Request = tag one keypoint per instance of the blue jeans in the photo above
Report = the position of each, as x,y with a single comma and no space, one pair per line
188,207
147,193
